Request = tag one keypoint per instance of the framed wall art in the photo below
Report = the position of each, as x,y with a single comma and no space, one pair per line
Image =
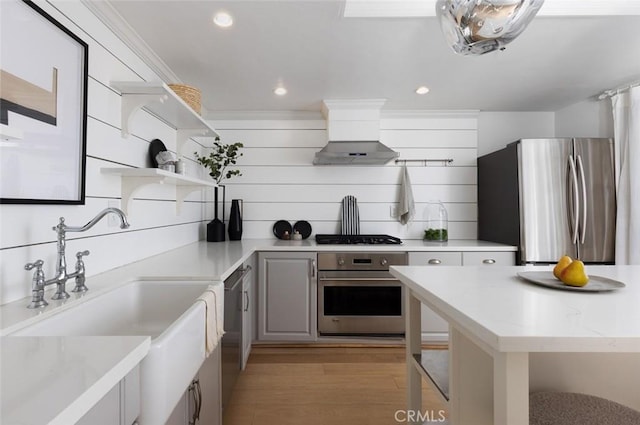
43,108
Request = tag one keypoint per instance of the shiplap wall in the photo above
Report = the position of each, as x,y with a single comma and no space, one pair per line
279,181
25,232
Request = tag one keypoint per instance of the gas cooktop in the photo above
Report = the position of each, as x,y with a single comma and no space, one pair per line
357,239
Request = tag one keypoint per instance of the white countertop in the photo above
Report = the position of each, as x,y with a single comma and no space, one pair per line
63,377
509,314
97,364
210,261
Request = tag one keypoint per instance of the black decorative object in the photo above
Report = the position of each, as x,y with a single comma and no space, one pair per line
217,162
282,229
216,228
155,147
235,220
303,227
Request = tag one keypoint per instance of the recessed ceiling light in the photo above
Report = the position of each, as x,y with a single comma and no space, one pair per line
223,19
422,90
280,91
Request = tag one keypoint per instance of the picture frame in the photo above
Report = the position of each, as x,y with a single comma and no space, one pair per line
43,108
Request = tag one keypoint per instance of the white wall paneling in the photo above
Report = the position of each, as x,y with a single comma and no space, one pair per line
331,211
321,193
107,252
26,233
338,175
457,230
462,157
454,138
279,181
283,137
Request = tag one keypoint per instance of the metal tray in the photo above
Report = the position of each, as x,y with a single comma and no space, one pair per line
595,284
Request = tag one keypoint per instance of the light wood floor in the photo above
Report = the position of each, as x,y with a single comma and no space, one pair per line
323,386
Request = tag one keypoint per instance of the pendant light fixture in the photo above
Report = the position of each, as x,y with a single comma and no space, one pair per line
476,27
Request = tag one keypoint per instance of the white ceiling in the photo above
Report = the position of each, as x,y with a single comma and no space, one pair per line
316,53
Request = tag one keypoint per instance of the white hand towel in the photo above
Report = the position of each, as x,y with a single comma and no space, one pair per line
214,318
406,206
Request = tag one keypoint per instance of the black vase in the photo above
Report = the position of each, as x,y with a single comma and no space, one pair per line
215,228
235,220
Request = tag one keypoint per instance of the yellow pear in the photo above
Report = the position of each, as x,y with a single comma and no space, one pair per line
574,274
563,262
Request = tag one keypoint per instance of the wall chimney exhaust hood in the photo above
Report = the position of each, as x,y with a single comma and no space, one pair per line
353,127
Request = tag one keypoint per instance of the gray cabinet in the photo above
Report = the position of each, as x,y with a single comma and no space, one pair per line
435,258
120,406
202,401
287,294
209,378
488,258
249,305
434,328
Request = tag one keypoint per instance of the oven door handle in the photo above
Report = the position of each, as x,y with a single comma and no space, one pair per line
359,279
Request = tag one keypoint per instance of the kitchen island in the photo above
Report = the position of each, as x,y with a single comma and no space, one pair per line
510,337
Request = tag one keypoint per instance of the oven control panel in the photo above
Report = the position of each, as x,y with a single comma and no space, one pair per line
360,261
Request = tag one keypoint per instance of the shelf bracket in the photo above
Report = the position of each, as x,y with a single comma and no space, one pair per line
131,185
181,194
132,103
185,134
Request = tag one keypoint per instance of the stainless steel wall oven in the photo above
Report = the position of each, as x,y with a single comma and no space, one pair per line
357,296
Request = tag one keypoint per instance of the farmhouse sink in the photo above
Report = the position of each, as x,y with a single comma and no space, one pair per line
168,312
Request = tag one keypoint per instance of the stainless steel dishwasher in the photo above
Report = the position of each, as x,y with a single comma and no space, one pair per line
232,338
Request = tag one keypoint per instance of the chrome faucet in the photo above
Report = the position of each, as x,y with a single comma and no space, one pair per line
60,279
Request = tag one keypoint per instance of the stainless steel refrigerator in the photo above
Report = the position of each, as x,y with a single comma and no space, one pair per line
550,197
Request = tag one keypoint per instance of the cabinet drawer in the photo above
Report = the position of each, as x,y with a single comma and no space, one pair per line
435,258
488,258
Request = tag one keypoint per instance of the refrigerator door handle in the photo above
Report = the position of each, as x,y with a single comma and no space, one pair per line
584,199
576,204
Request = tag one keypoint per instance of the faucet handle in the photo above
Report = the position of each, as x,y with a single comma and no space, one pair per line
37,264
80,277
37,284
81,254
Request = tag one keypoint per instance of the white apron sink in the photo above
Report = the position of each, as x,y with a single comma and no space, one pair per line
166,311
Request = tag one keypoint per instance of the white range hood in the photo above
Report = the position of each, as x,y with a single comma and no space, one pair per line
353,127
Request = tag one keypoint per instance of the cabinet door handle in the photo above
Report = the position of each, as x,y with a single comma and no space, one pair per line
434,261
489,261
246,300
313,268
199,392
193,392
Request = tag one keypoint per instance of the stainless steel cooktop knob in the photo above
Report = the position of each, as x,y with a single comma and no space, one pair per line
341,261
383,261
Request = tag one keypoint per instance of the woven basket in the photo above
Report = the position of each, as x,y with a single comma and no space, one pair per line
190,95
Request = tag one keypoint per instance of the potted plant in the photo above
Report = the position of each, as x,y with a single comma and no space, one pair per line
218,162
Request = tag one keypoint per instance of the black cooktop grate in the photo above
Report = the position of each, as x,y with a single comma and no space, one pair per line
357,239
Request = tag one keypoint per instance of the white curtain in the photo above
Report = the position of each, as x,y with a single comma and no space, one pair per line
626,122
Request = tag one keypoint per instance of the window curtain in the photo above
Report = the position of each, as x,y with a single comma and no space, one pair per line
626,122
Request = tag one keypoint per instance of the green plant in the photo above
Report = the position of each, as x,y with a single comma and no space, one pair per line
221,157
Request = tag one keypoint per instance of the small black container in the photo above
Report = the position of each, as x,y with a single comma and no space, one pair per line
215,231
235,220
215,228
